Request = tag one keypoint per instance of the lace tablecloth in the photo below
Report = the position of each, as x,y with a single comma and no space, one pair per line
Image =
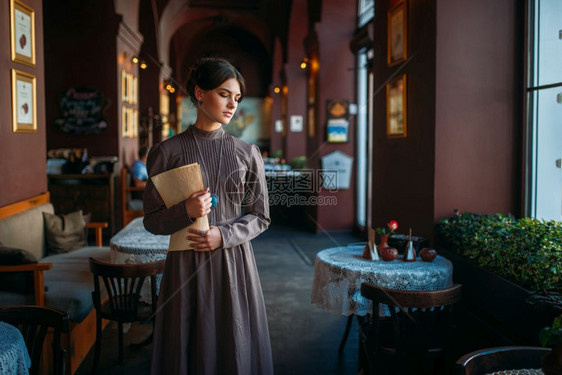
14,358
531,371
340,271
134,244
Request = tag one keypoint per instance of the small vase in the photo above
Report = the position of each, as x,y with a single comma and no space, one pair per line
410,253
384,243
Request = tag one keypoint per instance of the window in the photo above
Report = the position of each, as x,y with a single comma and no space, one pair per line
366,10
544,111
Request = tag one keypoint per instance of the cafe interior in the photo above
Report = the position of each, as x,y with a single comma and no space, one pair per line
412,155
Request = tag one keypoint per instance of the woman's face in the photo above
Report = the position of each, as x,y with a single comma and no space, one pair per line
220,104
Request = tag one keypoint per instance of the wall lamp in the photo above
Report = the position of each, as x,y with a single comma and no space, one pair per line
304,63
169,87
135,59
276,90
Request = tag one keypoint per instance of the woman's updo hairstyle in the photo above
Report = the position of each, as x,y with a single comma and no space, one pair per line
209,73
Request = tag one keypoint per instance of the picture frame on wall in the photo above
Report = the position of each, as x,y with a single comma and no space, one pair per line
397,22
396,107
337,127
24,102
22,22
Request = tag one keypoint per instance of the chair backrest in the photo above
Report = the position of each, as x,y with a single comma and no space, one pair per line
421,320
34,322
406,299
123,283
500,359
128,214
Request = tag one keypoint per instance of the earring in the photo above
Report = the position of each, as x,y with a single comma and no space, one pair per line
200,102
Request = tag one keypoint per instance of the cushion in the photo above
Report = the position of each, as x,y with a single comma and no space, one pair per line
16,282
64,233
10,256
70,283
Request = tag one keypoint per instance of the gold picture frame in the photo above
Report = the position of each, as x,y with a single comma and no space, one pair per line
396,107
397,22
24,102
22,36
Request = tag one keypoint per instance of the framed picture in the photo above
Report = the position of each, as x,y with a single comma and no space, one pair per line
397,34
337,121
24,102
22,19
396,107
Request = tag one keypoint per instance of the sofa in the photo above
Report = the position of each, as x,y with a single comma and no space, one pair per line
61,280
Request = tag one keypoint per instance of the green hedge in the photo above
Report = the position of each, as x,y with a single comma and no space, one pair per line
525,251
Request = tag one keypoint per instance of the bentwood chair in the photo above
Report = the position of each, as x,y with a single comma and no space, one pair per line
123,284
419,327
504,358
36,324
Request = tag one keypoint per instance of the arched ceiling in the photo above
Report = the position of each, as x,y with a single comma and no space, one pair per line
265,19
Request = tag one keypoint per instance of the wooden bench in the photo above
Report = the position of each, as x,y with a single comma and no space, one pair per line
61,281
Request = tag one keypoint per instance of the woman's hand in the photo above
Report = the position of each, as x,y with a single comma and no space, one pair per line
205,241
198,204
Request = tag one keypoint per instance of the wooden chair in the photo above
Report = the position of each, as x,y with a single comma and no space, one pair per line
419,327
35,322
127,191
489,360
123,283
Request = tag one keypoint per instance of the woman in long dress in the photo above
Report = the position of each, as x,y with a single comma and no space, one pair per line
211,315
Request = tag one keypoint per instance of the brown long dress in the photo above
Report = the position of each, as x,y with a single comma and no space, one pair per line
211,314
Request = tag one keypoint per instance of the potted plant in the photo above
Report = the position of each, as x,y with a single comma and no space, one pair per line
386,231
552,336
502,262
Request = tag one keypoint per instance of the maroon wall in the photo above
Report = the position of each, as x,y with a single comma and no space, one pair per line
478,80
276,142
403,167
149,79
295,142
74,33
336,80
23,155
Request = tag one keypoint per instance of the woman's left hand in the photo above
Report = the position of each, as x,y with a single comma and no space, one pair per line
205,241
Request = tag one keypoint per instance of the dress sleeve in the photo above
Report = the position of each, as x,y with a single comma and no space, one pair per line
256,218
157,218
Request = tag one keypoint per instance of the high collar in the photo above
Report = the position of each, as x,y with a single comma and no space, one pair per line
217,133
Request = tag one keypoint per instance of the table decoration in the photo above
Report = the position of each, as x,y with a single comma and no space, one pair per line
388,254
410,253
385,232
428,254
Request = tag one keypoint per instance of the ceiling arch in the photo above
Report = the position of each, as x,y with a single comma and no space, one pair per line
177,13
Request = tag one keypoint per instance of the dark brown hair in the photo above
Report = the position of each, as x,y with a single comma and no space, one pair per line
209,73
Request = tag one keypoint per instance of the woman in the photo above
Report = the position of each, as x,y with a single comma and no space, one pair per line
211,314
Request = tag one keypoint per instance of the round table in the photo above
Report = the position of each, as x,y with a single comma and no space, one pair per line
14,358
134,244
340,271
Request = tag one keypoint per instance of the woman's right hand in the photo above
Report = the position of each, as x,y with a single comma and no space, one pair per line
198,204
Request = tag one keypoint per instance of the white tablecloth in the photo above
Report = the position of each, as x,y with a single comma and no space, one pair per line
340,271
134,244
14,358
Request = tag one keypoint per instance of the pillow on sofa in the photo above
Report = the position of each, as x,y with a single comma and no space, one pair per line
11,256
64,233
16,282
